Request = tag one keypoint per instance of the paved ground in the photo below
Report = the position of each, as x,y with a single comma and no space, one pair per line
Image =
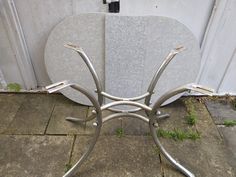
36,141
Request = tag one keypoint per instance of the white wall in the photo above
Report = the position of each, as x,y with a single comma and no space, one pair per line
194,14
37,19
219,48
8,64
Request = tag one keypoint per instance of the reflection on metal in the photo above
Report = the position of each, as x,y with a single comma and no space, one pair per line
125,99
121,110
152,112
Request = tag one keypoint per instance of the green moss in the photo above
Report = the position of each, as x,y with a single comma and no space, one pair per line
191,117
120,132
230,123
156,150
14,87
178,134
68,167
193,135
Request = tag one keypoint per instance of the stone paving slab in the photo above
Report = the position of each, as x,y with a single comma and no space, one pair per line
220,111
229,134
199,157
128,156
205,156
33,115
133,126
177,120
34,156
61,100
212,155
58,124
9,105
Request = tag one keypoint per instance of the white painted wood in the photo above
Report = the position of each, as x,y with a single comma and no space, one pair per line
88,6
16,37
8,63
219,49
193,13
3,83
228,84
38,17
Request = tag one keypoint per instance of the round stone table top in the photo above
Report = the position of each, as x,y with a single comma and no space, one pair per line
125,51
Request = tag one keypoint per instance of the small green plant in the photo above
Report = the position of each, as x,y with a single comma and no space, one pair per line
234,104
68,167
178,134
193,136
191,117
14,87
230,123
120,132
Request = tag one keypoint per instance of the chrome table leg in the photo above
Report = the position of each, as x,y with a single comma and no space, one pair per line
153,113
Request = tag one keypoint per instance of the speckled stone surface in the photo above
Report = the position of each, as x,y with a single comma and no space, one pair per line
133,47
87,31
136,47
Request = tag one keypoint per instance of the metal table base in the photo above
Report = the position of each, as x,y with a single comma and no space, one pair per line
152,112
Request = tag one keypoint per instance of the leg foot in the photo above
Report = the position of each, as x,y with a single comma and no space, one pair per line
73,119
163,116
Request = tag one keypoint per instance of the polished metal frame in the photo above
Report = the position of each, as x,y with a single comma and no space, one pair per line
153,113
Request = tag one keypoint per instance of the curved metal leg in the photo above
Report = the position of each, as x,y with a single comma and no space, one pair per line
92,70
159,72
151,112
63,84
178,166
152,121
77,165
